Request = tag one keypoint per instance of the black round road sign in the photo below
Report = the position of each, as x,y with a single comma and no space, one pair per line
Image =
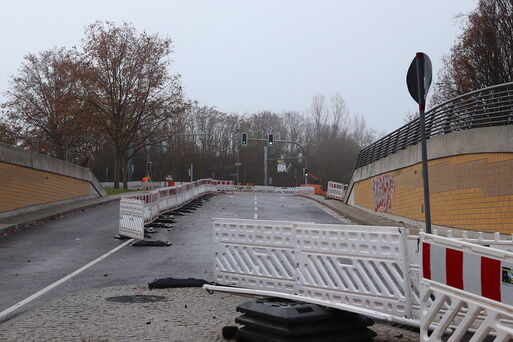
423,74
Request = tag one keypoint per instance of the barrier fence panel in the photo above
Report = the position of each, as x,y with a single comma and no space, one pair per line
255,254
448,286
305,190
336,190
364,267
465,287
131,220
496,240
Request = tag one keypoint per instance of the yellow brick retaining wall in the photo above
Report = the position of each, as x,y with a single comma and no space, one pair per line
470,191
22,187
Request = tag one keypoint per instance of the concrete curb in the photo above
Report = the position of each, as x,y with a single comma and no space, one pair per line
338,211
357,215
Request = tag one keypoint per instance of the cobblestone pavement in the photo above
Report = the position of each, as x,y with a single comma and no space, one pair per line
188,314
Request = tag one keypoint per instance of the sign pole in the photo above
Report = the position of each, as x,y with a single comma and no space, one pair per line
265,165
420,61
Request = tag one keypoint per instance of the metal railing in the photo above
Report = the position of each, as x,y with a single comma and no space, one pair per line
492,106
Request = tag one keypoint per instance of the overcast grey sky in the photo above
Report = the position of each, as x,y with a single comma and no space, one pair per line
245,56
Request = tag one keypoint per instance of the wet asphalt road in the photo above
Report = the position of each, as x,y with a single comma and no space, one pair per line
37,257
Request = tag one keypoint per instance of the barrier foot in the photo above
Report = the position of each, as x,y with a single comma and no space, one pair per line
279,319
156,224
121,237
153,243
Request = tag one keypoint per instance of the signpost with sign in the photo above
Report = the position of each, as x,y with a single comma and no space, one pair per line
282,167
418,80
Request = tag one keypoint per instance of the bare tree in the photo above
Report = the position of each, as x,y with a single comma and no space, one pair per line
7,135
44,110
409,116
361,133
124,76
338,113
481,56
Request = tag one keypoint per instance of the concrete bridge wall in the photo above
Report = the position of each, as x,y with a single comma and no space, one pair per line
30,181
470,175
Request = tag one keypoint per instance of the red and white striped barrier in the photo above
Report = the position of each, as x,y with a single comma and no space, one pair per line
468,271
155,203
336,190
465,287
224,185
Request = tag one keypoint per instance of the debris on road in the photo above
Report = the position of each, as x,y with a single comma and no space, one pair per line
154,243
165,283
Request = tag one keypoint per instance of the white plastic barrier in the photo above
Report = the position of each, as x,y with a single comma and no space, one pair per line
131,220
376,271
267,266
265,189
137,210
137,185
336,190
465,287
361,266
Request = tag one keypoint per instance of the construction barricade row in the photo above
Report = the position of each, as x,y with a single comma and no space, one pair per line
140,209
444,285
336,190
266,189
156,202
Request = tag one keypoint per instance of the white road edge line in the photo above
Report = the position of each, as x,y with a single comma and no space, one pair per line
60,281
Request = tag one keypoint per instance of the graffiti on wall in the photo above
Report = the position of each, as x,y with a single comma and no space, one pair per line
383,188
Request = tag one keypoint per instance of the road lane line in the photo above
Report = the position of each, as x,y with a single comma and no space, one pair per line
60,281
256,208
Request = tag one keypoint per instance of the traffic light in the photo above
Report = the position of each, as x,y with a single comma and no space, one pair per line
244,139
305,172
270,140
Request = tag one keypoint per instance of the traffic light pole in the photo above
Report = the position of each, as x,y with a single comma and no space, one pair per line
265,166
302,149
285,142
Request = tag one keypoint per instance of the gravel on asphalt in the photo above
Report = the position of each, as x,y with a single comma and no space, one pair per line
185,315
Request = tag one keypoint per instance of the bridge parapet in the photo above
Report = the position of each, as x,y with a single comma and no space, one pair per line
470,159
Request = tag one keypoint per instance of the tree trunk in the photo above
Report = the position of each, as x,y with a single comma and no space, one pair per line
124,171
117,164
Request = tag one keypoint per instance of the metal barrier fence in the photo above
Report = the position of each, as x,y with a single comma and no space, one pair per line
336,190
492,106
376,271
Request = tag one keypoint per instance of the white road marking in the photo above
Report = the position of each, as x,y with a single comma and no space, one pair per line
62,280
256,208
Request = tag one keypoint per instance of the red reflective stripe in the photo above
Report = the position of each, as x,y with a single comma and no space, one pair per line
491,278
454,268
426,260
